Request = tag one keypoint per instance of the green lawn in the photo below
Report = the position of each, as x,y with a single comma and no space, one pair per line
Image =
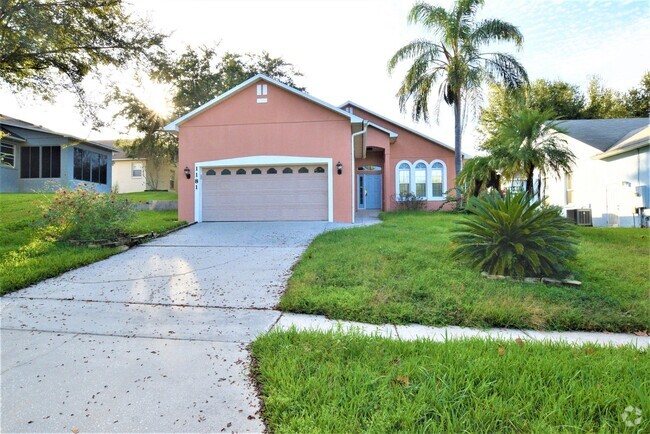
315,382
401,272
144,196
26,258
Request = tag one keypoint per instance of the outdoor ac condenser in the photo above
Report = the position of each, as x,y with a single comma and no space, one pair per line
581,217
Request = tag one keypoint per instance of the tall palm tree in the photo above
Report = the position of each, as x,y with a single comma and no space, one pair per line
455,60
530,140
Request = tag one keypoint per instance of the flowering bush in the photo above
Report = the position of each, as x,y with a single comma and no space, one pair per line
84,214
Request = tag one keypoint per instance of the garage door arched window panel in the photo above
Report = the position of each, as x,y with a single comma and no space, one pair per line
211,172
303,170
438,179
271,171
241,172
420,180
319,170
403,179
256,171
287,170
225,172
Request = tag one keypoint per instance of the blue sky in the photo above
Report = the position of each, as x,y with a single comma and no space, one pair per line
342,47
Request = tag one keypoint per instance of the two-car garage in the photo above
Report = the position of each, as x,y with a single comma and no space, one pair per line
283,191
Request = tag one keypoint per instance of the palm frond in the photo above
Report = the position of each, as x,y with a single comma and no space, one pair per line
496,30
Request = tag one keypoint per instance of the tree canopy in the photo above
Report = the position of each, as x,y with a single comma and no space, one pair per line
46,45
455,59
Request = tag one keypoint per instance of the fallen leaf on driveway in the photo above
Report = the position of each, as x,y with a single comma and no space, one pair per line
641,333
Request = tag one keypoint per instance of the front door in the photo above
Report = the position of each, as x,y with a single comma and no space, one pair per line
369,191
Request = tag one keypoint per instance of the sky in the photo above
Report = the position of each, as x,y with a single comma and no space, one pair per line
342,47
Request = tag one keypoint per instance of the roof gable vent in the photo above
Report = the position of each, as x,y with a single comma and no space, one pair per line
262,92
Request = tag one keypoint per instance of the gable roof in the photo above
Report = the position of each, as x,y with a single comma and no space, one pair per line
636,139
411,130
173,126
602,134
8,121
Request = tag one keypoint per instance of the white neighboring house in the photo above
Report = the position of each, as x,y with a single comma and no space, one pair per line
131,175
611,177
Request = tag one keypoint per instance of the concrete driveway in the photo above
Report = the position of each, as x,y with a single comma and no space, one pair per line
152,339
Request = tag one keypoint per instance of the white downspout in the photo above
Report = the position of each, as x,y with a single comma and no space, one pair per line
352,171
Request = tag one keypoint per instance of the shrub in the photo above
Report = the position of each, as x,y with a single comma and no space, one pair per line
410,202
84,214
515,236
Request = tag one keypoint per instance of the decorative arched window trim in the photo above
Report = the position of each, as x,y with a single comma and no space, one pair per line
444,180
287,170
256,171
303,170
397,170
427,191
319,170
225,172
210,172
271,171
241,172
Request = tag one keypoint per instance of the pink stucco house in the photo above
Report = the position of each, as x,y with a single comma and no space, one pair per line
266,151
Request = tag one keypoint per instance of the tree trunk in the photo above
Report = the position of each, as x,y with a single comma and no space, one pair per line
457,138
530,190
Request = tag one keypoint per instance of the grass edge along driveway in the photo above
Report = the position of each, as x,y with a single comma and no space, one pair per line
401,272
26,258
332,382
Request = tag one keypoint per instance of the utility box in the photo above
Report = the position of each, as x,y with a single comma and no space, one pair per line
643,192
581,217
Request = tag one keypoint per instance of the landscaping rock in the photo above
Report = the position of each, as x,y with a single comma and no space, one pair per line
551,282
532,280
569,282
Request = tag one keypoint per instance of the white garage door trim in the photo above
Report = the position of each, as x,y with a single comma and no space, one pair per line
259,160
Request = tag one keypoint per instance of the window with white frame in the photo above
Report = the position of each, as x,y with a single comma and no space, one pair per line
7,155
136,170
421,180
424,180
404,179
437,179
568,182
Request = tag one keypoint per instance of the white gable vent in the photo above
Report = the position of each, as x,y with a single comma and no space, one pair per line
262,92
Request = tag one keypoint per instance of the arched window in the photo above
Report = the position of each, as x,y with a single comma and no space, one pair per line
287,170
210,172
421,180
404,179
303,170
271,171
438,179
256,171
225,172
241,172
319,170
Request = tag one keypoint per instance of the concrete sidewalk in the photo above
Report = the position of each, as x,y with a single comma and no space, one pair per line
440,334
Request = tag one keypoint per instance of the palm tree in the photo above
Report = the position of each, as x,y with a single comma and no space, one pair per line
478,174
531,140
456,60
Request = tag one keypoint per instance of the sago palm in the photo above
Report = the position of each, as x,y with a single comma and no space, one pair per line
515,236
531,140
455,59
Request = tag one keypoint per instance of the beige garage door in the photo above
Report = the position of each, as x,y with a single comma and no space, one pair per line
265,193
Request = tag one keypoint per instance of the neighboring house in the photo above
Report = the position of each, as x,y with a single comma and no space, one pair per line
266,151
131,175
612,171
34,158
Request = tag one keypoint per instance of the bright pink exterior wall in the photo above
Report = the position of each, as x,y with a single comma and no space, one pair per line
410,147
286,125
378,139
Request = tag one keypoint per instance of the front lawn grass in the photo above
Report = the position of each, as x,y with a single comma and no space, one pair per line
329,382
401,272
26,258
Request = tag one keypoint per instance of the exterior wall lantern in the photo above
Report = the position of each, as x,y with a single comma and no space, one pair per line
187,172
339,168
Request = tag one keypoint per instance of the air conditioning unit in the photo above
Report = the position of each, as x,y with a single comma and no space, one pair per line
581,217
